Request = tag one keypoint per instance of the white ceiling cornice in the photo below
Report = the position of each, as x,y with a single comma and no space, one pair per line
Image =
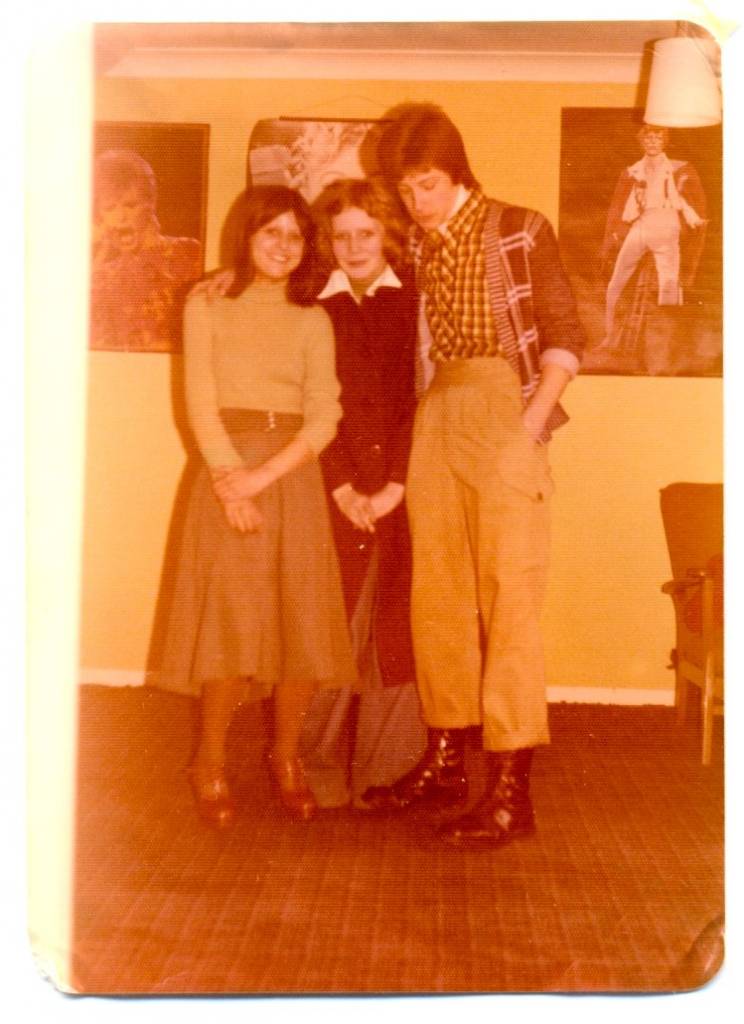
401,65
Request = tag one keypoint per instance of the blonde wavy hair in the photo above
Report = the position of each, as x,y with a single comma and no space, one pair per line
370,195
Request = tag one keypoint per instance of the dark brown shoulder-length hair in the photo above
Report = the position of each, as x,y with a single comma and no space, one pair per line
421,137
370,195
257,207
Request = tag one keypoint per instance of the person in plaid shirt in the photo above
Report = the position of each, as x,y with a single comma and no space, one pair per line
499,342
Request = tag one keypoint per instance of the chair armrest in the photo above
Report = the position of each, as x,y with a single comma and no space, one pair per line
694,578
695,604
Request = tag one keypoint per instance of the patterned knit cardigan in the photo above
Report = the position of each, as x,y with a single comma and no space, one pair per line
531,298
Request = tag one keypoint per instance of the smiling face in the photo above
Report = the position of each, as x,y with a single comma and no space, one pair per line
428,196
276,248
125,217
358,244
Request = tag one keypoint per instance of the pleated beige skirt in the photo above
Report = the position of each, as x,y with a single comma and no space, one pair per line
262,607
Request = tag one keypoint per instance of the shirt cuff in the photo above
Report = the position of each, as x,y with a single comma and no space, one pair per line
560,357
341,489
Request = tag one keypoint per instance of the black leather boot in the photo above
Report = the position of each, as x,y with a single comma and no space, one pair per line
505,811
438,780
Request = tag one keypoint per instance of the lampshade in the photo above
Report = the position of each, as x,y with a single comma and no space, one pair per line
683,90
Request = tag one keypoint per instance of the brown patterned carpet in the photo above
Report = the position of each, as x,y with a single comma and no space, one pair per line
625,872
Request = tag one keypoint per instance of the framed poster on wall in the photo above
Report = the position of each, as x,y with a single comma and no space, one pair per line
149,207
640,232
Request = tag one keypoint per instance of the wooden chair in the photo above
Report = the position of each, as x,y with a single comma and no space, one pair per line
693,523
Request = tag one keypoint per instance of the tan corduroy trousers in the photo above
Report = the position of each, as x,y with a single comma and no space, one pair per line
478,493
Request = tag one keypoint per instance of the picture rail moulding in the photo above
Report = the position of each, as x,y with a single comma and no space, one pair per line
399,65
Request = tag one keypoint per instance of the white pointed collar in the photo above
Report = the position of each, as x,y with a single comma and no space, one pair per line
638,169
462,196
339,282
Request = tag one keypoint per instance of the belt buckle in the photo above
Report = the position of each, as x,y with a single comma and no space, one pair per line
270,421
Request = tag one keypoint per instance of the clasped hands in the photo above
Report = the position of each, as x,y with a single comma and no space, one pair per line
235,488
364,510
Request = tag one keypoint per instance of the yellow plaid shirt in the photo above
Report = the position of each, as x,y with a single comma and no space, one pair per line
452,278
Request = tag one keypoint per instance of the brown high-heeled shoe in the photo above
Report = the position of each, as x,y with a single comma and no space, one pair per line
213,802
289,776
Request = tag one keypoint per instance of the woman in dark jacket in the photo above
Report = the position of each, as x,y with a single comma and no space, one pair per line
351,744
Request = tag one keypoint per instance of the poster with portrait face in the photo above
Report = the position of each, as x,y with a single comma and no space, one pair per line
149,207
640,233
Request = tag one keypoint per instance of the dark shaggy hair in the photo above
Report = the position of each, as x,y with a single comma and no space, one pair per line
369,195
420,137
257,207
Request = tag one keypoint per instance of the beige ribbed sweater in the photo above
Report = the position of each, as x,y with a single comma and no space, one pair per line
258,351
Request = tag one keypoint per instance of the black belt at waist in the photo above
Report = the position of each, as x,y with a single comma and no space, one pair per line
235,420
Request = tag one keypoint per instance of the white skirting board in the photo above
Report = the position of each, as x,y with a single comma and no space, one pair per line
556,694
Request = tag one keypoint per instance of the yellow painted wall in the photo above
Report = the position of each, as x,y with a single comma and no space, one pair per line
607,624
